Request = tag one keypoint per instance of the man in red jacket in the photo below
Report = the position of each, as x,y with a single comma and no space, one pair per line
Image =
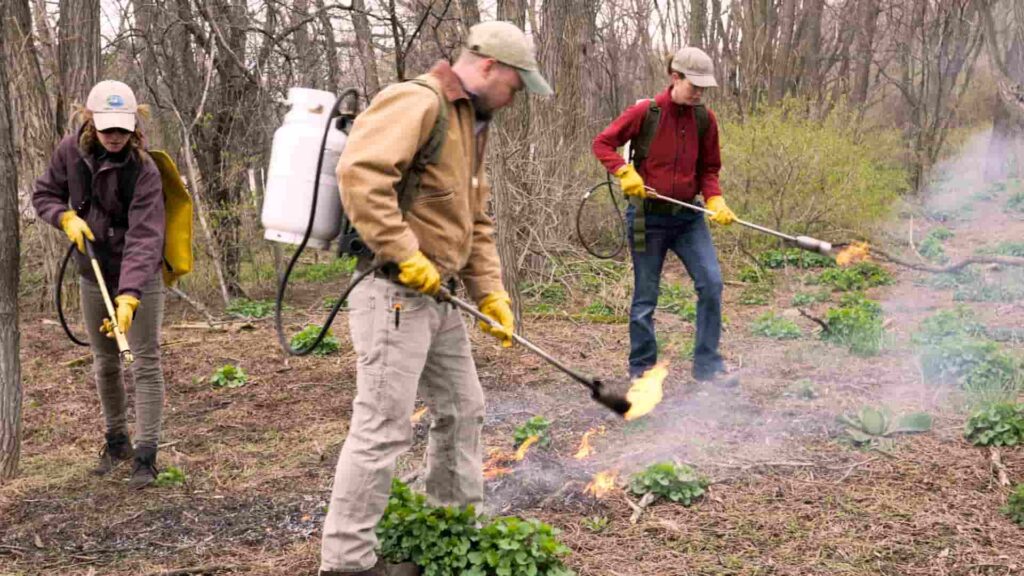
679,157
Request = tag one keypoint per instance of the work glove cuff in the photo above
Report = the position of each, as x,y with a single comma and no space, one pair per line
493,298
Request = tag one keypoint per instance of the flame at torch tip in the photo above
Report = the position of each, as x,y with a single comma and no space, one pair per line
418,415
603,483
855,252
646,392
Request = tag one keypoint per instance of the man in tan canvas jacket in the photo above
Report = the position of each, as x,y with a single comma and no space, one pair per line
404,339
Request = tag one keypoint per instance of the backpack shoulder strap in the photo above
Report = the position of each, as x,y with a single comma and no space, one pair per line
429,154
126,180
641,145
703,120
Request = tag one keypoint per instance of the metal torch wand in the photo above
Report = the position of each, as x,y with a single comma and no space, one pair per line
122,342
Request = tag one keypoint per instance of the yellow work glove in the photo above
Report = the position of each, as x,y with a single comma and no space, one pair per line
630,182
76,229
125,306
722,214
419,273
498,307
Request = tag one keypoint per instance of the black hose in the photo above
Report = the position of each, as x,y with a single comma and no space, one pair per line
58,299
283,284
579,219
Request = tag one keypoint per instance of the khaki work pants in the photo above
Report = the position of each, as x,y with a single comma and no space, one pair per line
144,340
426,348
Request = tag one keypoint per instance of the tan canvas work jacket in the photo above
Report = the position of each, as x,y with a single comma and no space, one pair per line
448,220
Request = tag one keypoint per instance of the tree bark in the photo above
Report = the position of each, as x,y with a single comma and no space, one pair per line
364,46
10,363
867,21
698,23
78,50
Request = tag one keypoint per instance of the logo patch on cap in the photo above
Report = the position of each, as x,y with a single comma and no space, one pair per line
115,101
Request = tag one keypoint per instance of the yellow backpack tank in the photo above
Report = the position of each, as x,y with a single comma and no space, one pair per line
178,258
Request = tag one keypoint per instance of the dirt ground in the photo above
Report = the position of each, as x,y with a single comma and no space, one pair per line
788,497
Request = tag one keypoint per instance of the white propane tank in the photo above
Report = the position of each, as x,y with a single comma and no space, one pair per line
293,158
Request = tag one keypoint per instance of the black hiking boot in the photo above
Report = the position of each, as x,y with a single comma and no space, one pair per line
144,472
725,378
117,450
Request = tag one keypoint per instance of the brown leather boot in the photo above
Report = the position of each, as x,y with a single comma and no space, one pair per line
144,472
117,449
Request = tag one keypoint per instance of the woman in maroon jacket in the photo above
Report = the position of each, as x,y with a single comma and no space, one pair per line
682,161
102,186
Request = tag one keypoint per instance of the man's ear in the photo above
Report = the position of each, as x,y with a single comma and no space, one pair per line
487,66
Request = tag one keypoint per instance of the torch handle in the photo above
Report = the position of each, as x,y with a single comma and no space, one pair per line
652,194
122,341
445,296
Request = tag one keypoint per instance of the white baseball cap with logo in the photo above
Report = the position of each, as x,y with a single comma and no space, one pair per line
506,43
113,105
696,65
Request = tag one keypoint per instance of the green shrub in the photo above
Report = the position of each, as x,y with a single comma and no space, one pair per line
245,308
325,271
856,324
1016,202
453,541
512,546
997,425
328,345
229,376
860,276
808,298
795,257
676,482
949,281
170,476
931,249
537,426
772,326
755,275
678,300
947,324
546,292
1015,505
983,291
1010,249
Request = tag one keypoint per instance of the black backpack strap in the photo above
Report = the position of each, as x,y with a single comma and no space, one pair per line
703,120
430,153
85,176
127,177
641,145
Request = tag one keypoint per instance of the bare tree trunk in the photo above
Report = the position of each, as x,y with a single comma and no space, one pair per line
79,53
809,48
1006,146
698,23
10,363
781,70
470,13
867,21
364,45
305,62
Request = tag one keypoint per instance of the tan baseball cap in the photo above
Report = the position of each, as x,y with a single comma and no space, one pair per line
113,105
506,43
696,65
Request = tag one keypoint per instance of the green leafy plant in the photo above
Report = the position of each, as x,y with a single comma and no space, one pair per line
1010,249
808,298
1000,424
856,324
537,426
860,276
676,482
245,308
941,326
229,376
871,424
1016,202
756,275
596,524
546,292
325,271
328,345
931,247
1014,508
330,301
795,257
445,541
510,546
772,326
678,300
170,476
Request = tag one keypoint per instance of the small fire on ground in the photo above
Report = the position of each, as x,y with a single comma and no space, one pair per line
585,450
646,392
498,461
855,252
602,483
418,415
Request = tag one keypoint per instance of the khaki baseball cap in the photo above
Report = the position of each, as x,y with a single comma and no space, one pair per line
506,43
113,105
696,65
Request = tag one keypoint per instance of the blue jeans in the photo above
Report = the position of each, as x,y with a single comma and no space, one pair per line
687,235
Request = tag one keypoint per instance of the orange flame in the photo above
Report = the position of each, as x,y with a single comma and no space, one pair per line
416,417
495,465
521,452
646,392
603,483
585,450
855,252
